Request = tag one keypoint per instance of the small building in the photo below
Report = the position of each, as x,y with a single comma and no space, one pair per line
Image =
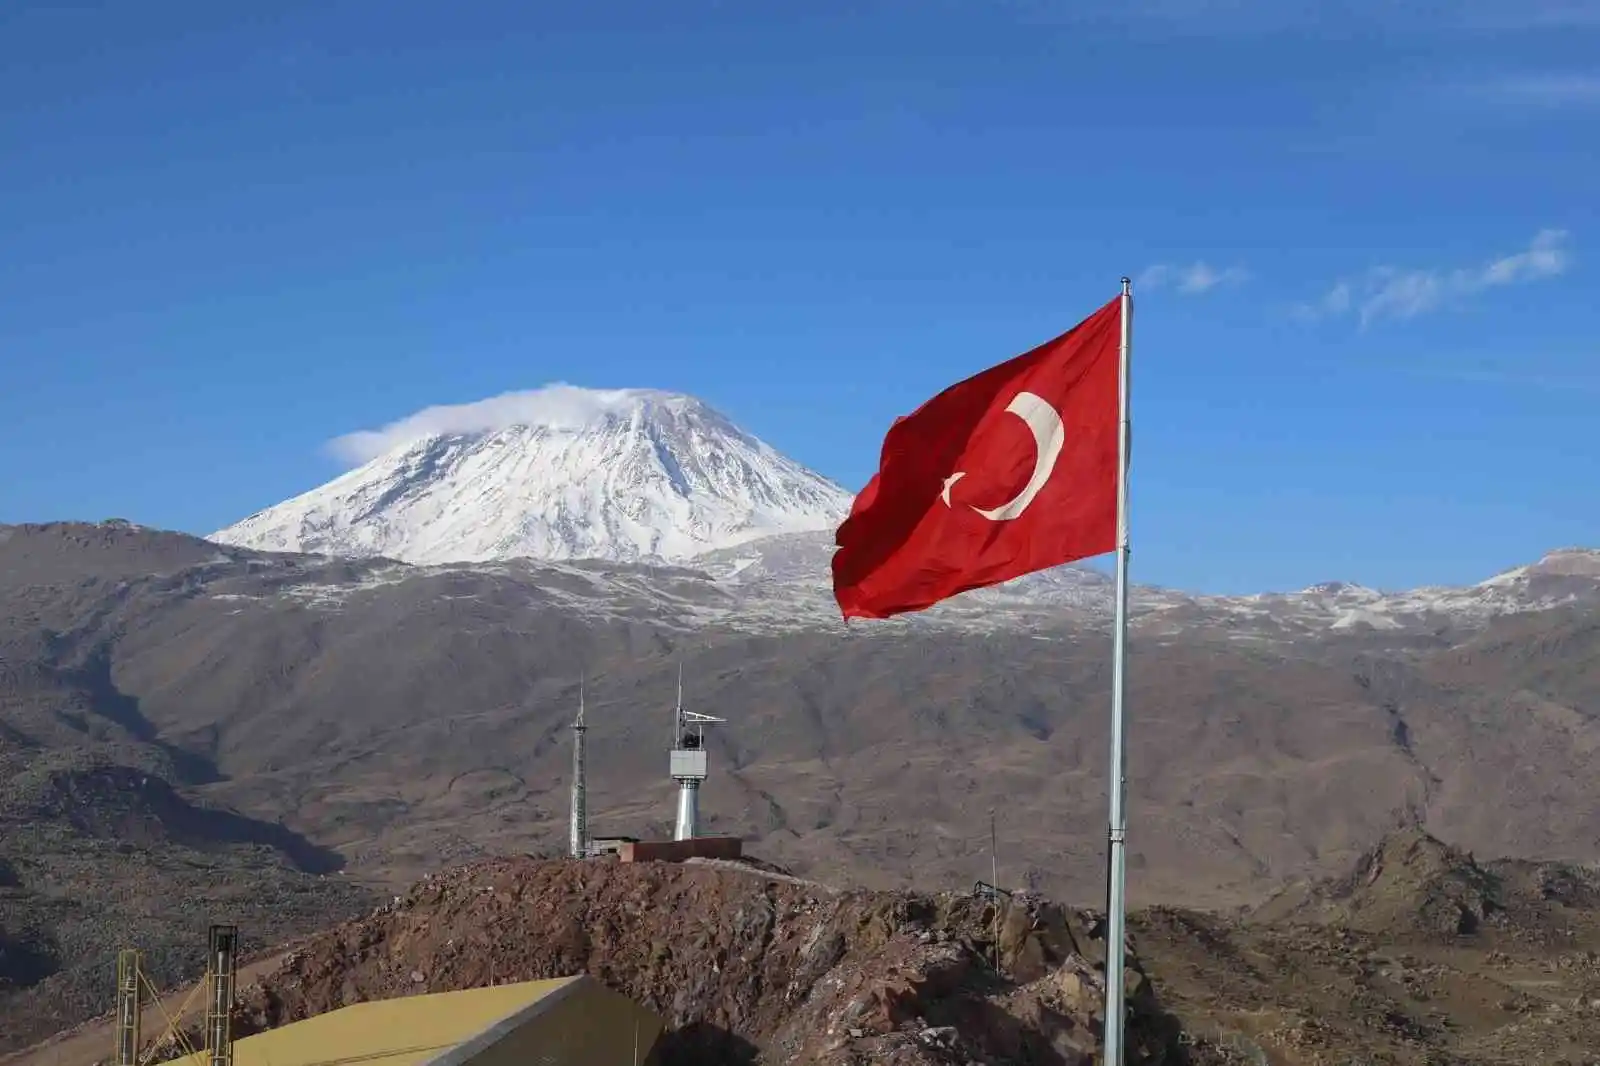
570,1021
609,845
679,850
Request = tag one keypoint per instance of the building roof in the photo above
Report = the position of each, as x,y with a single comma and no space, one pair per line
407,1031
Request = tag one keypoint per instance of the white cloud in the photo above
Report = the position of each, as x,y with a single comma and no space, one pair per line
1546,257
558,405
1391,292
1191,280
1336,301
1400,293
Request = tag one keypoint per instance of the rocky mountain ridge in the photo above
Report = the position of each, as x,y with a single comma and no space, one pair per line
780,584
399,718
749,964
236,659
744,966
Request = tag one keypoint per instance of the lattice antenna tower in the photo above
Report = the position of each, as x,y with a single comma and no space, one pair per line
578,844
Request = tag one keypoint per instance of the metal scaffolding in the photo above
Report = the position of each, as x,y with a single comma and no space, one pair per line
128,1007
578,844
220,966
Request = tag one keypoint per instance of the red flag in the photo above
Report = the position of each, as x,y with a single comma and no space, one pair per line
1011,471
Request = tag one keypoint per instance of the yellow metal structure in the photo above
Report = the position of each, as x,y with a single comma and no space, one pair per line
128,1008
173,1035
219,1004
571,1021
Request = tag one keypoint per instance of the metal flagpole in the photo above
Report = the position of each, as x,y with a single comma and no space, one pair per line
1116,903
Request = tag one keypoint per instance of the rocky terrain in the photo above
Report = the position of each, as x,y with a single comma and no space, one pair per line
105,844
745,965
260,722
402,717
1418,956
96,856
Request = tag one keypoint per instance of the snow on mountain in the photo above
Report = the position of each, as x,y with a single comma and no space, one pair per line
780,584
1563,563
1561,578
638,476
556,473
792,574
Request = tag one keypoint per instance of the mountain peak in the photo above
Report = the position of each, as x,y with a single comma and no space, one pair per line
1572,561
562,406
554,473
557,407
1558,564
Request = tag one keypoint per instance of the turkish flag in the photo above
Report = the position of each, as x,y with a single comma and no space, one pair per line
1011,471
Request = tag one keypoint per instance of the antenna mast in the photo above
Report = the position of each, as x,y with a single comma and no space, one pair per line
688,765
578,843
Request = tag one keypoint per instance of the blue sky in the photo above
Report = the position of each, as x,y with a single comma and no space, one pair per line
1367,346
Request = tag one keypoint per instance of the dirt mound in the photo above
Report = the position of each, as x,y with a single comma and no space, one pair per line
1408,882
1313,996
1413,884
1419,956
744,967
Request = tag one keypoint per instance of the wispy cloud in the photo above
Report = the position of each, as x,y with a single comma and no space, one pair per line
1392,292
1336,301
1192,280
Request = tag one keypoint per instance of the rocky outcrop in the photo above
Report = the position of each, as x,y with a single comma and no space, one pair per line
745,965
1411,883
1407,882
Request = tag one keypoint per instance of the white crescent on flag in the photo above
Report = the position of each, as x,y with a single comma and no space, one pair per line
1049,436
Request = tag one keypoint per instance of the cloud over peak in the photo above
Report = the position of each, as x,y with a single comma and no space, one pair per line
558,406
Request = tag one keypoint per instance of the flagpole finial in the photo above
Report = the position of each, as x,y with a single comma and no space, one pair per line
1127,283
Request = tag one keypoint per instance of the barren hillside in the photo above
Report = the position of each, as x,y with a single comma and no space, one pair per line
314,715
1417,956
746,966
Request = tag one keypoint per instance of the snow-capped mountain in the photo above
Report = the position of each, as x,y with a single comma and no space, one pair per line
558,473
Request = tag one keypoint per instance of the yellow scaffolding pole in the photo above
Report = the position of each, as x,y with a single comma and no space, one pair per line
128,1012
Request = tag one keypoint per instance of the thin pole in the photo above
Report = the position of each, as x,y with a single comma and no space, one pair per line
994,885
578,828
1116,903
